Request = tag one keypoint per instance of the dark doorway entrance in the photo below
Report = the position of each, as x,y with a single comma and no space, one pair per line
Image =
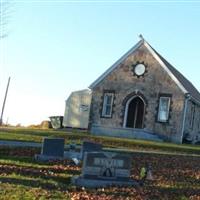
135,114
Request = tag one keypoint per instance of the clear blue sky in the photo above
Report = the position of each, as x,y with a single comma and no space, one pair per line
54,48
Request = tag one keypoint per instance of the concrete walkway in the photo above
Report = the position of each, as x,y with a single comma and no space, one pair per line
37,144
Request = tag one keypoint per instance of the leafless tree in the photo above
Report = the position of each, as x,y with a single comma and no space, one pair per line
5,13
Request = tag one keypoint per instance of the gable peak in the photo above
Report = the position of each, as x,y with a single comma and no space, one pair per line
141,37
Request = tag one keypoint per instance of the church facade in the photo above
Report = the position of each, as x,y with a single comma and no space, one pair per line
143,96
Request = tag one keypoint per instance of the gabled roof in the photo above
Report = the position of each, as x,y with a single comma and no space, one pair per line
189,87
109,70
184,84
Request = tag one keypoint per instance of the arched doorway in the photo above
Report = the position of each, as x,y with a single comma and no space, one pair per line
134,113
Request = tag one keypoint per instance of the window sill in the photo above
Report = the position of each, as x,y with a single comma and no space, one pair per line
103,116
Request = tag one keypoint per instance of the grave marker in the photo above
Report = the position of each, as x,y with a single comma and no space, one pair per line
52,148
89,146
102,169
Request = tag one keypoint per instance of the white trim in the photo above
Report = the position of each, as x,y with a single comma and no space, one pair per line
184,117
126,109
109,70
165,68
192,116
168,106
105,105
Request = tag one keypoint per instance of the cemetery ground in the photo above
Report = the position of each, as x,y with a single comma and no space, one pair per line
21,177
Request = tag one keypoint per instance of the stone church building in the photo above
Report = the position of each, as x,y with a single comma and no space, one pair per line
143,96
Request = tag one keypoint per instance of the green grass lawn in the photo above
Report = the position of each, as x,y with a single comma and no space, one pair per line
21,177
35,135
26,179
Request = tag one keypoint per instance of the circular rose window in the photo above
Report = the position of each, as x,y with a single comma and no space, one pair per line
139,69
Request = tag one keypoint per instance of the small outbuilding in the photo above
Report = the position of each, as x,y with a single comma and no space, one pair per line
77,109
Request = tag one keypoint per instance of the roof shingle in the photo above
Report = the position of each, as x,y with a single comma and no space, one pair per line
186,85
182,79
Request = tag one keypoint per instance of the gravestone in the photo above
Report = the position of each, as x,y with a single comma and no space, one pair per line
102,169
89,146
53,148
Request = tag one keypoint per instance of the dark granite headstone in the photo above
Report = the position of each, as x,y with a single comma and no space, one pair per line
106,165
89,146
102,169
53,147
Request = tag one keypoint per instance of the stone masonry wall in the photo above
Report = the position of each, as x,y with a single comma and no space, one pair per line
150,85
192,122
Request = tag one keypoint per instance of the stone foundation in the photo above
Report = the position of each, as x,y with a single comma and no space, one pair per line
126,133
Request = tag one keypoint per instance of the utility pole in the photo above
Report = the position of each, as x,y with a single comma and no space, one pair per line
4,102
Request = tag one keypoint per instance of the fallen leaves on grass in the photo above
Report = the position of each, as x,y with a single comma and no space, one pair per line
174,177
54,170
